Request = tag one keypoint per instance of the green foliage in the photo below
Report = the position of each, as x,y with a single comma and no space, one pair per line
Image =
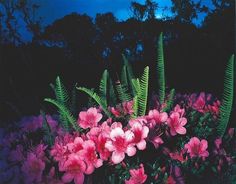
129,75
170,100
103,86
227,99
97,98
112,95
123,93
63,103
161,69
66,113
141,87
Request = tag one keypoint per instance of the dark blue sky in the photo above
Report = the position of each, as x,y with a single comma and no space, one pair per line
54,9
50,10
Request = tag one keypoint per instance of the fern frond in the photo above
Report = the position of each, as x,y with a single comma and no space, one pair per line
103,86
141,89
97,98
227,99
124,77
123,93
130,74
112,95
60,91
161,69
170,100
66,113
142,97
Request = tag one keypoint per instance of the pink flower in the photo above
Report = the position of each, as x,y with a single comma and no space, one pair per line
89,118
74,169
128,107
75,146
156,117
218,142
32,169
137,176
119,144
178,156
170,180
157,141
179,110
197,148
200,103
90,156
103,151
60,151
140,134
176,124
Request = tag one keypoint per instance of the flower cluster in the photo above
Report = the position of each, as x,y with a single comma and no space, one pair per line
174,146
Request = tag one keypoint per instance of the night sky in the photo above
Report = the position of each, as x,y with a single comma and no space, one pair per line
50,10
54,9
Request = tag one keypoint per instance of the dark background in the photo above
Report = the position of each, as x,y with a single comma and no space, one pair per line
78,48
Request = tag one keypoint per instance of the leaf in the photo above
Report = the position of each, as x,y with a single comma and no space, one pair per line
112,95
140,100
142,97
129,75
170,100
123,93
161,69
227,100
97,98
65,111
103,86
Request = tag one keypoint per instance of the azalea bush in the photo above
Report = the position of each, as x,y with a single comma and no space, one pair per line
123,136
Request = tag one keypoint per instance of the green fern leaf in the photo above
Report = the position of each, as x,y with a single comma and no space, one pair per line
103,86
142,97
129,75
124,77
60,91
97,98
112,95
141,89
161,69
170,100
66,113
123,93
227,100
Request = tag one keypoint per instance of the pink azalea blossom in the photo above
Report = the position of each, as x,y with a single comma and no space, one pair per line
89,118
197,148
103,151
180,110
128,107
90,156
157,141
60,151
176,124
137,176
119,144
140,134
178,156
32,169
74,169
155,117
76,145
